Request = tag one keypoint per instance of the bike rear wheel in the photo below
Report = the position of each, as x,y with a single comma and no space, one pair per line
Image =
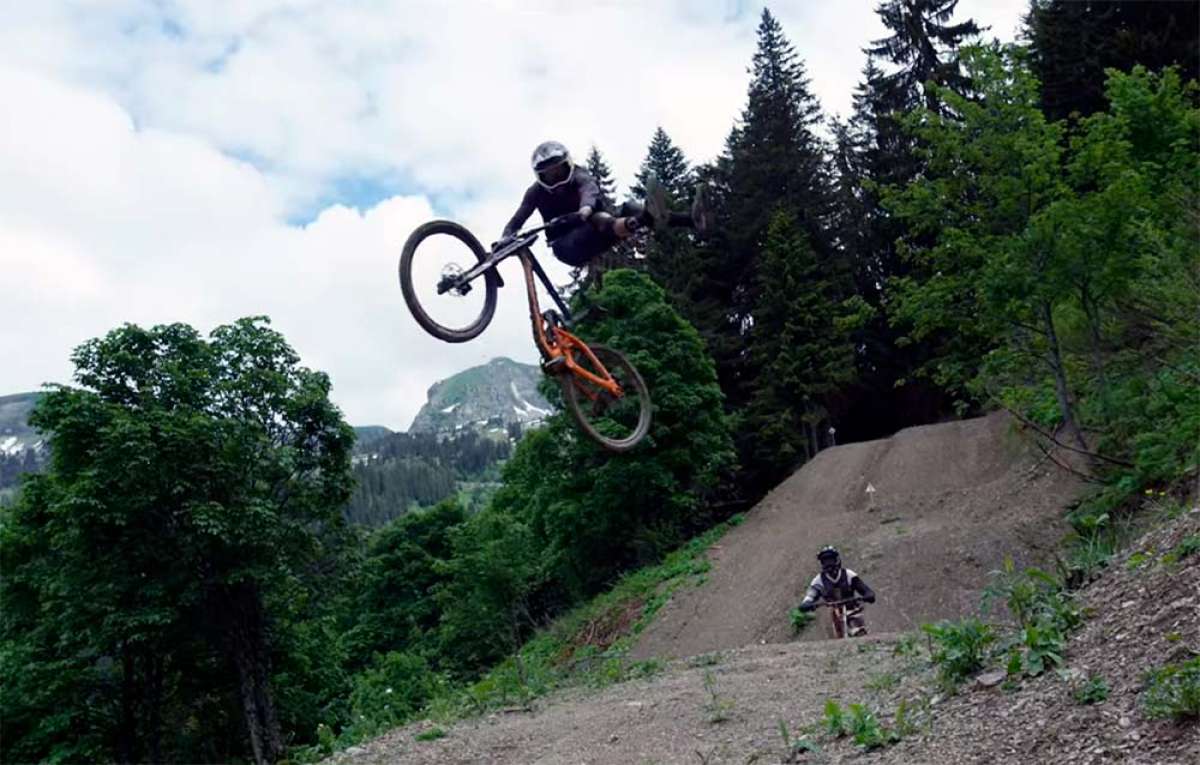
616,423
446,248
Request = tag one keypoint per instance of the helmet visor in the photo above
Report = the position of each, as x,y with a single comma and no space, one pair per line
554,173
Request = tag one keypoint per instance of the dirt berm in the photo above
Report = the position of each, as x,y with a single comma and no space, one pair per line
950,501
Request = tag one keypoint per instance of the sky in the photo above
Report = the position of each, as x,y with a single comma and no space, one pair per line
205,160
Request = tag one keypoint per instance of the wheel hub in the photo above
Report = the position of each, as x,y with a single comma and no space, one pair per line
451,273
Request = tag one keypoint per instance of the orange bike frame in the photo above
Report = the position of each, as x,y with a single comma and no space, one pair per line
563,344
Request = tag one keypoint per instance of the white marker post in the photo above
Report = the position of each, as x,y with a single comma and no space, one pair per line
870,498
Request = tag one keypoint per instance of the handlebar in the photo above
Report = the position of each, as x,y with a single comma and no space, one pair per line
561,220
832,603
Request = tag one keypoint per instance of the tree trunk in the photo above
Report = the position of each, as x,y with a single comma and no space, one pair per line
246,636
127,735
1092,311
1061,390
154,695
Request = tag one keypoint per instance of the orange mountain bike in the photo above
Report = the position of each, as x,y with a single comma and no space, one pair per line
842,614
450,283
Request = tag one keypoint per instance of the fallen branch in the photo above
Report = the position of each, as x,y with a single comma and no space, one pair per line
1054,439
1065,466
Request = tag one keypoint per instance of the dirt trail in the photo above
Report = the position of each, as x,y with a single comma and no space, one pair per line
670,718
727,707
950,502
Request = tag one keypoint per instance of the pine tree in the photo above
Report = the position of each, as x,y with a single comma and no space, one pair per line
802,348
622,254
599,169
773,161
666,161
874,151
776,158
1072,43
670,254
924,45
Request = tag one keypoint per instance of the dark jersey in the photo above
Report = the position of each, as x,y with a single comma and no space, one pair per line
580,191
847,585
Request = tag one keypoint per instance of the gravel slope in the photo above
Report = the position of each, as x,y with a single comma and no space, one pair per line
966,494
951,501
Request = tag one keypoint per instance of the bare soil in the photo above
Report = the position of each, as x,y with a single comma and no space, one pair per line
951,501
963,496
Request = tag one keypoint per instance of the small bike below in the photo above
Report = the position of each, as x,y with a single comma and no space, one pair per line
839,613
450,283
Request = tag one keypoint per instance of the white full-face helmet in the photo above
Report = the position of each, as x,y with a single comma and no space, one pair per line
552,164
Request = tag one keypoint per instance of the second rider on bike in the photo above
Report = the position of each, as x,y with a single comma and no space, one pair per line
562,188
837,584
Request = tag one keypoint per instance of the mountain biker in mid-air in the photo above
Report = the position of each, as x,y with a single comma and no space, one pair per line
562,188
836,583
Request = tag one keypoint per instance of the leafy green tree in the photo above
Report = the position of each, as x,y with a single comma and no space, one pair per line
570,517
774,161
195,486
670,256
775,157
1045,251
997,170
490,578
394,607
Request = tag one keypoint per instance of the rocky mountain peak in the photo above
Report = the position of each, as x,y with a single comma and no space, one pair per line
496,394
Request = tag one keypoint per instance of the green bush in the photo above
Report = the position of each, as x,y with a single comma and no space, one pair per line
390,692
866,730
1174,691
794,747
835,719
800,620
1044,645
1033,596
1187,547
959,648
717,708
433,734
882,681
861,724
1093,691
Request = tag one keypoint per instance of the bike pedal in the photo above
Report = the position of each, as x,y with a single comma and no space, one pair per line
554,366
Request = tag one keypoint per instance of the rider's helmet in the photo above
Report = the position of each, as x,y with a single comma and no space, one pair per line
552,164
831,561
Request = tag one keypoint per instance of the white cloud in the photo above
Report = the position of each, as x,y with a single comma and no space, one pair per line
101,224
123,198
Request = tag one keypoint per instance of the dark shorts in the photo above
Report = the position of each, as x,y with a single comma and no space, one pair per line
581,244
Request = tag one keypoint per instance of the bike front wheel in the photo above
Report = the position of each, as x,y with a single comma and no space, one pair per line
433,255
618,423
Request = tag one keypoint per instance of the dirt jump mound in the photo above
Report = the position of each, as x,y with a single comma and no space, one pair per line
922,516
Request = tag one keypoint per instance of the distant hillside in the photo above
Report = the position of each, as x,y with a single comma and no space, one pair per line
15,434
401,471
21,448
369,434
489,397
465,429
